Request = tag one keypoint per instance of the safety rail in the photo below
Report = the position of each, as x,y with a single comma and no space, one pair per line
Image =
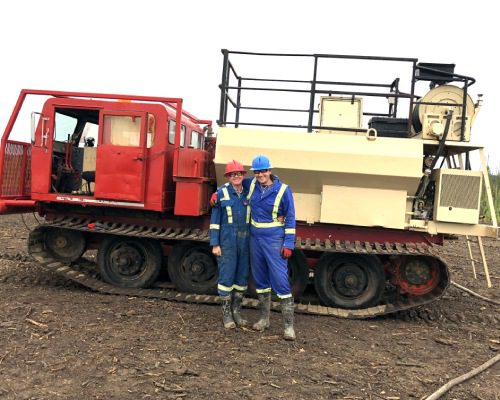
232,94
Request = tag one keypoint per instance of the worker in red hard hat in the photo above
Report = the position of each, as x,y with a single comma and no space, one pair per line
272,239
229,236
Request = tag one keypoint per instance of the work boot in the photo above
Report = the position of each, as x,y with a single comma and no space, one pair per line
265,308
227,316
236,307
287,312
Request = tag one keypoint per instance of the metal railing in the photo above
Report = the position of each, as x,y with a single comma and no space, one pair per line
233,94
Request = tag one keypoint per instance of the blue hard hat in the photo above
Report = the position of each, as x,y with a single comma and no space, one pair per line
261,162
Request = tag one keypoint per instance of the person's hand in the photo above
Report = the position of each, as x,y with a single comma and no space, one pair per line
286,253
281,219
213,200
216,251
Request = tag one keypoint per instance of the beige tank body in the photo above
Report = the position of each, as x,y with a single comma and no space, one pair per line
335,178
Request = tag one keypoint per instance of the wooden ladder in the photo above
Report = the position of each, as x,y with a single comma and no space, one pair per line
479,241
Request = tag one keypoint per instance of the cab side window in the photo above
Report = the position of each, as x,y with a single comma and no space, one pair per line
183,135
171,133
122,130
196,140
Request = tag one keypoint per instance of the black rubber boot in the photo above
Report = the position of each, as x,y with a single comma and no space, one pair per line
287,312
236,308
265,308
227,316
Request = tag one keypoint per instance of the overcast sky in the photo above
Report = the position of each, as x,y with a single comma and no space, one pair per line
172,48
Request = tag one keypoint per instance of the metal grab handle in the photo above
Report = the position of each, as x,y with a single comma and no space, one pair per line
45,133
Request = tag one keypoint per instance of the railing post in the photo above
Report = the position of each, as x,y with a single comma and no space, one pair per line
313,95
464,112
238,103
223,86
412,93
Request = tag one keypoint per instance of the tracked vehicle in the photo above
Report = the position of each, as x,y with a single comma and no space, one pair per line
379,169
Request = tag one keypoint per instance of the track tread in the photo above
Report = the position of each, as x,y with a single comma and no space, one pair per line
75,273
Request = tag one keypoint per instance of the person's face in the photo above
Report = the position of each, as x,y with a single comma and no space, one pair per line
263,176
235,178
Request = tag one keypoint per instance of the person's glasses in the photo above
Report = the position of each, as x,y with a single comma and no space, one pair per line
235,174
260,171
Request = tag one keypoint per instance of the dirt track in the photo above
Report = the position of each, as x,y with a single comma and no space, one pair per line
59,340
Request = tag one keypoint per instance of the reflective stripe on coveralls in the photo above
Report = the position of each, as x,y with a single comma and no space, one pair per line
229,289
229,211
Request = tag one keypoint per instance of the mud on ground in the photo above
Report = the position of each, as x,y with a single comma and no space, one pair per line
59,340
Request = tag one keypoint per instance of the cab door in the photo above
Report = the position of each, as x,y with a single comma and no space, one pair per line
41,152
120,156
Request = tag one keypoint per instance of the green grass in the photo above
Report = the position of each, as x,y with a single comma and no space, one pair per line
495,191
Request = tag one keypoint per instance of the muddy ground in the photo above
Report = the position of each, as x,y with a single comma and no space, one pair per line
59,340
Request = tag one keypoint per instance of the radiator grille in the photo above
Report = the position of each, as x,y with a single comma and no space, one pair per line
460,191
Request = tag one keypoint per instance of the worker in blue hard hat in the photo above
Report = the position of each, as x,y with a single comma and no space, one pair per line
229,236
271,214
272,238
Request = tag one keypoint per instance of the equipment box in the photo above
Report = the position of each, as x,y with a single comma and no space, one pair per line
441,77
390,127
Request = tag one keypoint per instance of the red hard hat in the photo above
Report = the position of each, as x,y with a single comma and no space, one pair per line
234,166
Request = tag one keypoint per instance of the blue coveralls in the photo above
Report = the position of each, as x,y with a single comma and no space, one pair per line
268,236
229,230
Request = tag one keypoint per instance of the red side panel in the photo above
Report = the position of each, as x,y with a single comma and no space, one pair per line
193,182
120,173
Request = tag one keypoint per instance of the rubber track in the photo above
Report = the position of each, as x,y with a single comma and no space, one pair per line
37,250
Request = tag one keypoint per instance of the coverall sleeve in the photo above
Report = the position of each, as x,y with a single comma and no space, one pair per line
289,212
246,183
215,223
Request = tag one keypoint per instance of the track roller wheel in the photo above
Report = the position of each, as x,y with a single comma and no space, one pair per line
418,275
64,244
298,273
129,262
193,269
349,281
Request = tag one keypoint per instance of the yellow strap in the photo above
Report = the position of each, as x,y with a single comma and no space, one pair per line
252,187
240,288
214,226
277,201
229,211
290,231
267,290
226,194
276,205
284,296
